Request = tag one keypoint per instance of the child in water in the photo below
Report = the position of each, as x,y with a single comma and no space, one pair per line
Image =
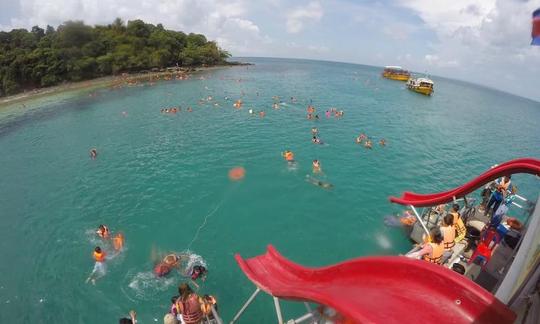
99,267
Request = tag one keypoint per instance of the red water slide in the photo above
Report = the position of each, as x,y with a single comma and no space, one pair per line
523,165
379,289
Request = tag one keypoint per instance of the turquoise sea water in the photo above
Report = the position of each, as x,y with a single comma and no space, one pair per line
159,176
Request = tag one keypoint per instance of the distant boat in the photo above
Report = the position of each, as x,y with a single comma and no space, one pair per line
396,73
421,85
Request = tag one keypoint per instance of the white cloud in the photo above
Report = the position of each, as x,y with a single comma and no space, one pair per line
491,40
300,15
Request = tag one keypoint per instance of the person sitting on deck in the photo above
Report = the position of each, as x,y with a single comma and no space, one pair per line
461,231
448,231
431,251
189,304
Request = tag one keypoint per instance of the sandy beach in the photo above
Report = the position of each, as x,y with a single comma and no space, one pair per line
104,82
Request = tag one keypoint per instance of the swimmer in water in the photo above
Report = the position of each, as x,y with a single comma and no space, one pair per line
165,266
368,144
93,154
316,166
289,156
99,266
262,114
103,231
316,140
314,131
382,142
317,182
250,111
118,242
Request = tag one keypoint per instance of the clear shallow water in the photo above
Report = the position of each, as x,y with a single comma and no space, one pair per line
158,176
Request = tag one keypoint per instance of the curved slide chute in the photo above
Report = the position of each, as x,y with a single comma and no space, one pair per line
523,165
379,289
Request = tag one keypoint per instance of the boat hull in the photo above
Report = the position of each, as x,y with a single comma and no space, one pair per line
423,90
398,77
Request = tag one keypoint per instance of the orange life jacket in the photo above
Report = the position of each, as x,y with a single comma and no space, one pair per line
191,310
99,257
449,235
435,256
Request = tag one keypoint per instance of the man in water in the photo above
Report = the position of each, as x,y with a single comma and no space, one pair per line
317,182
167,264
99,266
93,154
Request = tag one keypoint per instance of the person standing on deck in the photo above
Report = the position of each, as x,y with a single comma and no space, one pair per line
503,187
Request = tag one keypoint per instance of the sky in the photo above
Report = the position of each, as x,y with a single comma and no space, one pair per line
480,41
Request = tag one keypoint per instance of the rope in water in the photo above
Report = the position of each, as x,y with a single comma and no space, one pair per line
204,224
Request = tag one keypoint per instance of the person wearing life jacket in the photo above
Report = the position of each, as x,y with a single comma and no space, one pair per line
99,267
448,232
199,271
461,230
103,231
166,265
189,304
289,156
207,302
503,187
432,250
118,242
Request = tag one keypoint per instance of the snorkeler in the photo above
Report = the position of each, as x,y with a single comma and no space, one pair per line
289,156
317,182
316,140
314,131
316,166
103,231
93,154
167,264
99,266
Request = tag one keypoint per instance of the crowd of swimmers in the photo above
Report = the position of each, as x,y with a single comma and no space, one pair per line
186,307
368,143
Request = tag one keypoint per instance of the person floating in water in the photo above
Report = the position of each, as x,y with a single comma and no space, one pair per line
103,232
99,266
316,140
316,166
118,242
314,131
317,182
93,154
368,144
198,272
167,264
382,142
289,156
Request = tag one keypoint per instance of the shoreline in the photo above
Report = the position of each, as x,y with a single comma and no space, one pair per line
112,82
